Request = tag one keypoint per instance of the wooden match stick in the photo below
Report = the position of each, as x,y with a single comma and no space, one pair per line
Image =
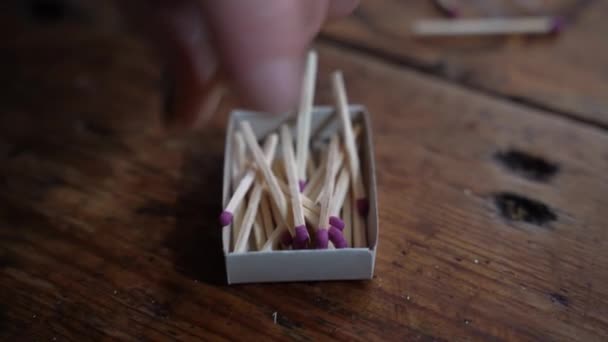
311,216
359,234
239,159
271,181
306,202
349,141
304,116
336,168
341,152
310,165
275,238
336,224
321,235
316,180
301,234
247,180
347,217
278,169
248,220
258,231
266,213
238,165
338,199
488,26
286,239
237,221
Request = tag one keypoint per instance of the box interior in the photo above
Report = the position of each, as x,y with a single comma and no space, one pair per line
304,265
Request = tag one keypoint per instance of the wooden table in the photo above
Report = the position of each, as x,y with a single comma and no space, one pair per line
492,157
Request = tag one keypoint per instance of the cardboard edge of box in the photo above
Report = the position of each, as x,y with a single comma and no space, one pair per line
303,265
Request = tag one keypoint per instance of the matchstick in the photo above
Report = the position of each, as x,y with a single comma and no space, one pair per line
337,225
304,117
359,234
285,239
239,159
321,236
310,165
311,216
237,221
246,182
273,240
316,180
447,7
278,169
306,202
349,141
237,171
336,168
356,132
271,181
488,26
258,231
266,214
249,219
301,236
347,217
338,199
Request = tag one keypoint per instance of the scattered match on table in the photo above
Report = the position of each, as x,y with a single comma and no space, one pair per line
488,26
291,192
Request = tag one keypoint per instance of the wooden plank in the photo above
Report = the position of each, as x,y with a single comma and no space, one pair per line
108,227
564,74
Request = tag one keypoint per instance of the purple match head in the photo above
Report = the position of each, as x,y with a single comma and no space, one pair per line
322,238
558,24
301,239
335,221
302,184
337,238
286,239
225,218
363,206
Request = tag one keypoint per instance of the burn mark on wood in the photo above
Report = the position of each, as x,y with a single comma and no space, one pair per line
559,298
528,166
518,208
397,264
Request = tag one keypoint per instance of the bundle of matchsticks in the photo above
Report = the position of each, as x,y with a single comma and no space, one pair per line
298,199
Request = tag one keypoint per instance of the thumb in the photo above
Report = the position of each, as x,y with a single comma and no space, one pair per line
262,45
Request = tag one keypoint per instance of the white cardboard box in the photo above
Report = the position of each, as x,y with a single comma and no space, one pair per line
304,265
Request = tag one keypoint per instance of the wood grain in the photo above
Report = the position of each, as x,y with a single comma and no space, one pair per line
108,225
565,74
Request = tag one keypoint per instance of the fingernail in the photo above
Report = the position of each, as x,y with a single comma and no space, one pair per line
274,85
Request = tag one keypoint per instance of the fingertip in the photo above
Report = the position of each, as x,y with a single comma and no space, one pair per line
272,86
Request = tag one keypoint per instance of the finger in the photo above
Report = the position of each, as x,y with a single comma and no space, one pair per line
262,44
341,8
177,30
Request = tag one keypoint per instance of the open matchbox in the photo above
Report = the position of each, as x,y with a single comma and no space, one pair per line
305,264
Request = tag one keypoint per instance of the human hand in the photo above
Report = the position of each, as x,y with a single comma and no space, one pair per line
259,46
